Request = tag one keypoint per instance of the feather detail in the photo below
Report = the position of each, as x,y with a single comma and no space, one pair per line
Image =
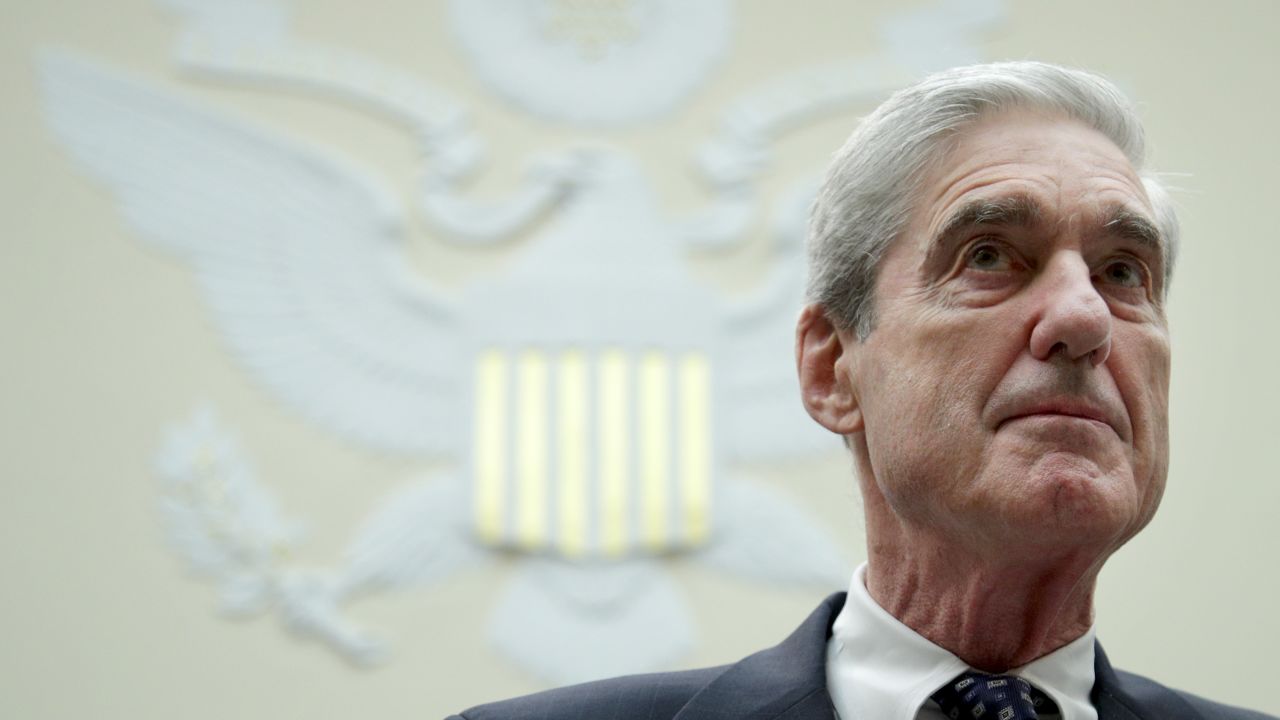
299,254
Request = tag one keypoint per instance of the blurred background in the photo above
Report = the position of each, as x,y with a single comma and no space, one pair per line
283,279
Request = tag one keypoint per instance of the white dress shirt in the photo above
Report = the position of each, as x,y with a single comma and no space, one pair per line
880,669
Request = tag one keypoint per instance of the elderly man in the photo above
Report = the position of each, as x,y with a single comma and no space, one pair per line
989,268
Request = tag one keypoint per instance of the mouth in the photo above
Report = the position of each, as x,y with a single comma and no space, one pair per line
1061,409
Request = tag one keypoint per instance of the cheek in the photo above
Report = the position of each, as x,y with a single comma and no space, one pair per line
1158,400
1143,379
965,359
936,371
1142,375
923,414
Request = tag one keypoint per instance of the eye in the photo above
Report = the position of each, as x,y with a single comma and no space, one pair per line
1124,272
987,256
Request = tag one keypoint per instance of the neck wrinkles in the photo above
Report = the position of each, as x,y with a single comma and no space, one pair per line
995,612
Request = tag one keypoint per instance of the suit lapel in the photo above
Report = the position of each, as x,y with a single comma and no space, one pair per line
785,682
1108,698
1119,695
789,682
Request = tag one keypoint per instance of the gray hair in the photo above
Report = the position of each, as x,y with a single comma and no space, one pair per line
871,186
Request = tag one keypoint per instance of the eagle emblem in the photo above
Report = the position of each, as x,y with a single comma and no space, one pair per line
591,395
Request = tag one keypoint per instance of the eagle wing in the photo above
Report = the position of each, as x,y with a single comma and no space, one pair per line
763,417
299,253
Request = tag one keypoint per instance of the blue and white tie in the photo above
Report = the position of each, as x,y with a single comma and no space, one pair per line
992,697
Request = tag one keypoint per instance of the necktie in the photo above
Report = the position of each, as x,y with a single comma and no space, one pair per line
975,695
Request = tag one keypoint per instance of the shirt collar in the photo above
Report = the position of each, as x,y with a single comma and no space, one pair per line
879,668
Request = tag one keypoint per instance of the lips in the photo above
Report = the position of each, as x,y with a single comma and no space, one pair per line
1058,393
1080,410
1072,407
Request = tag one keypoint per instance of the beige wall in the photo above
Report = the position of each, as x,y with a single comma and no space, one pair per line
106,342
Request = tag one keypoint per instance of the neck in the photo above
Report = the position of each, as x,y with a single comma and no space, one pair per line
996,603
995,595
993,615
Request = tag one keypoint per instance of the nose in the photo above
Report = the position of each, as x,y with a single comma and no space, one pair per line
1074,319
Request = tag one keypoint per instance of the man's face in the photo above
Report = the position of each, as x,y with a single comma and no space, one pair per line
1015,383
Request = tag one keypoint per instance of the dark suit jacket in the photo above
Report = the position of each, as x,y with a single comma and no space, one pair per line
789,682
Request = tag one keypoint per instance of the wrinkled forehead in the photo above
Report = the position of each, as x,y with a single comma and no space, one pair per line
1025,168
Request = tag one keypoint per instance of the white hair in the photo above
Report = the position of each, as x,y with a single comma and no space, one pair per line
871,186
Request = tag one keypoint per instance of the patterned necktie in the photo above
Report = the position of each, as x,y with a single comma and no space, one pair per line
994,697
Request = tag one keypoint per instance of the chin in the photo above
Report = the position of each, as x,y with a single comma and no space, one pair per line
1083,499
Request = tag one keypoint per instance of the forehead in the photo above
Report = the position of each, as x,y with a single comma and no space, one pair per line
1070,172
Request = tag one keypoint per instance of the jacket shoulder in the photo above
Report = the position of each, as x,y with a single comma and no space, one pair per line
657,696
1157,700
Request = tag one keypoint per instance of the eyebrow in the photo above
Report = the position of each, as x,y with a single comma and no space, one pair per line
1125,223
1013,211
1024,211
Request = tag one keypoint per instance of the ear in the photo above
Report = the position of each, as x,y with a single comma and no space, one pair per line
824,360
